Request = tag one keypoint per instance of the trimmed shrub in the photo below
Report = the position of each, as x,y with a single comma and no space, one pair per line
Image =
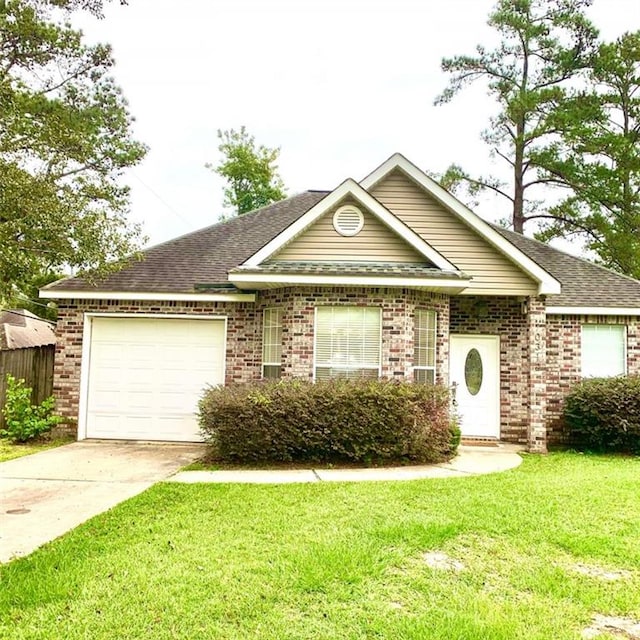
370,421
603,414
23,420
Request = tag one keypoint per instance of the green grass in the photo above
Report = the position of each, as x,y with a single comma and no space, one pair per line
9,450
337,561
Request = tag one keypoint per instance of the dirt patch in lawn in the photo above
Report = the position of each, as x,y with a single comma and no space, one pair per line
620,627
601,573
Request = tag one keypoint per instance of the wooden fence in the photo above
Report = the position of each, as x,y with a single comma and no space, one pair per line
35,365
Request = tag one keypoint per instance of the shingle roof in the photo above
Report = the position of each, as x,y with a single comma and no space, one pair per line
584,284
204,256
389,269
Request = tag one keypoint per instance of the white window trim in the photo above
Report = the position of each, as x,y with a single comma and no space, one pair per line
435,341
265,363
315,334
625,358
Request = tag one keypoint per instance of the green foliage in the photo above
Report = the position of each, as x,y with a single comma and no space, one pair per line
65,138
544,44
331,420
604,414
598,159
27,296
25,421
250,171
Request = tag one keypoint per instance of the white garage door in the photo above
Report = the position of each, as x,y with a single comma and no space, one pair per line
146,376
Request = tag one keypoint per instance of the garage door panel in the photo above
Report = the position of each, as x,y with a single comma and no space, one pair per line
146,376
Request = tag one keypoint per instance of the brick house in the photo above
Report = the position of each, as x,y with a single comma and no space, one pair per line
391,277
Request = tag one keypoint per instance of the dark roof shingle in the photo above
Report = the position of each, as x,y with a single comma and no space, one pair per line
204,256
584,284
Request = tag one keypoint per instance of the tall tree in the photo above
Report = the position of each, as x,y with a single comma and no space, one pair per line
544,43
598,160
250,171
65,138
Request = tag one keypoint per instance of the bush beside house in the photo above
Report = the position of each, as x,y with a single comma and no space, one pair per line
338,420
603,414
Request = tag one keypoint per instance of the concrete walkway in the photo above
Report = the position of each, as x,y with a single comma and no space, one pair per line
47,494
469,461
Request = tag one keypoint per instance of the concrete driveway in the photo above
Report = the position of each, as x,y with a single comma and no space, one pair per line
47,494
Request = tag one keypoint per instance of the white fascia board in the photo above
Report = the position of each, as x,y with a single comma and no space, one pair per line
593,311
132,295
350,188
548,285
338,280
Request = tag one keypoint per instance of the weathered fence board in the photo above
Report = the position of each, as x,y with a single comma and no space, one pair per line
35,365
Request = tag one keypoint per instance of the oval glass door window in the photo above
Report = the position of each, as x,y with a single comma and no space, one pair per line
473,371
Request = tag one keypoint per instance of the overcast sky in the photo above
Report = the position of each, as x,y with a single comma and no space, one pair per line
338,85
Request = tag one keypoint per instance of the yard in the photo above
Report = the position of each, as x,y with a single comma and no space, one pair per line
10,450
531,553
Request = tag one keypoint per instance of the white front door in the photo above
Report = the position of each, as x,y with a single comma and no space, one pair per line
475,372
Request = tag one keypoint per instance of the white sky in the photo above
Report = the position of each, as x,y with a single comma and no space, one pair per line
339,85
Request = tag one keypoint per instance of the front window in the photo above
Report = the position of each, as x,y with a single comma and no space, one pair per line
604,350
424,346
347,342
272,343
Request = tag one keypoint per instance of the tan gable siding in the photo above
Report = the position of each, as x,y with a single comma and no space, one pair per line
492,273
375,242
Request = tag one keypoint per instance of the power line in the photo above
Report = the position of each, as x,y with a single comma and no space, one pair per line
160,198
24,315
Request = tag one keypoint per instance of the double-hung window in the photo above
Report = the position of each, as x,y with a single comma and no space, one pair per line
272,343
347,342
424,346
604,350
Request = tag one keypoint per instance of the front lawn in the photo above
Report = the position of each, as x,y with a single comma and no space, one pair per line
10,450
532,553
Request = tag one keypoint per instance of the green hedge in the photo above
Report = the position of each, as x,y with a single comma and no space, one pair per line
603,414
370,421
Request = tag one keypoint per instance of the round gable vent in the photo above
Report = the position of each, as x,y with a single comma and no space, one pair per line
348,220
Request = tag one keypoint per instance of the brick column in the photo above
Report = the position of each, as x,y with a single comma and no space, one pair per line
537,345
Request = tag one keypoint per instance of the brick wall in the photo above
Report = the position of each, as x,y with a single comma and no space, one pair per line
244,332
243,360
524,399
397,307
564,360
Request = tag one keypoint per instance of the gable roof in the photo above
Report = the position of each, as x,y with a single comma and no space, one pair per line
352,189
21,329
201,264
547,283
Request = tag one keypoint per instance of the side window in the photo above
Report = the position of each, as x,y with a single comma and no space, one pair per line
604,350
424,346
272,343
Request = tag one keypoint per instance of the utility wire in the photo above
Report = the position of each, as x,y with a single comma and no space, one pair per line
26,299
24,315
160,198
